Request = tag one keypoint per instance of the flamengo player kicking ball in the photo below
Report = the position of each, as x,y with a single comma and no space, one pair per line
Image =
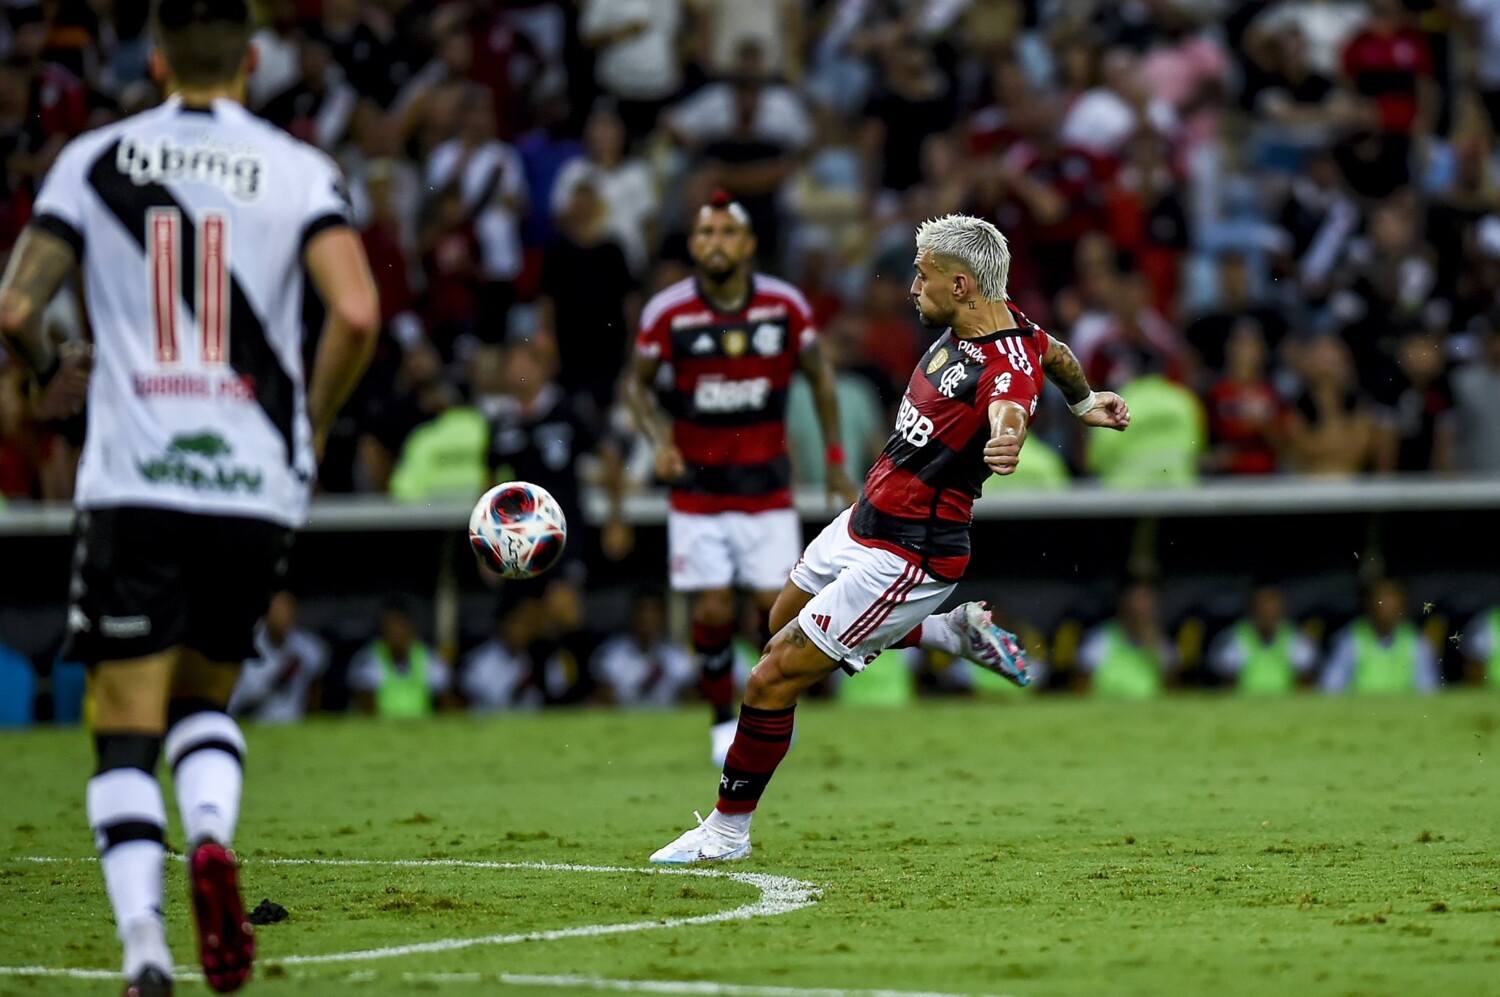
876,576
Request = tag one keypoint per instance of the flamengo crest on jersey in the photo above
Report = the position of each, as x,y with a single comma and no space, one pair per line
919,497
730,373
190,225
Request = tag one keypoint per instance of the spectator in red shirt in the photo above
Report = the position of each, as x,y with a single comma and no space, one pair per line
450,258
1245,413
1390,65
1146,216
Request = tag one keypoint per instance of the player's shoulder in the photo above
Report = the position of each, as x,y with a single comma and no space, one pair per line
83,149
277,141
767,286
668,299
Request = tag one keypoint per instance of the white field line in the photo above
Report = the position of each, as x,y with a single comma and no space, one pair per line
778,895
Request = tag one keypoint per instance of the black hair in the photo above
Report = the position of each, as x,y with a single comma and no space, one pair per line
205,41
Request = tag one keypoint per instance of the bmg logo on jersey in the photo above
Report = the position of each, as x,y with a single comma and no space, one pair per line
237,173
914,427
714,394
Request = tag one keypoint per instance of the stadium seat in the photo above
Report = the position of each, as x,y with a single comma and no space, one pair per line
69,683
17,690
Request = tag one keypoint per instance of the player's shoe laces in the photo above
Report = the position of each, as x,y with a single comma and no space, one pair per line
721,737
226,942
985,644
149,982
703,844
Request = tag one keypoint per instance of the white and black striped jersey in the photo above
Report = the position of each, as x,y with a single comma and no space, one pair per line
190,224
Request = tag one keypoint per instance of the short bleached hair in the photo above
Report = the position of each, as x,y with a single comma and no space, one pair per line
974,244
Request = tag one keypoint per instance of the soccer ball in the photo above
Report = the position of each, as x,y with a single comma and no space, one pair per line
518,529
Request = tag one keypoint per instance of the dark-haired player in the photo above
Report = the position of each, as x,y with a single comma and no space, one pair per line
192,224
877,575
733,338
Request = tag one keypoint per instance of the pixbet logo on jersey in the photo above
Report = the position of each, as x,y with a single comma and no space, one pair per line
913,426
237,173
714,394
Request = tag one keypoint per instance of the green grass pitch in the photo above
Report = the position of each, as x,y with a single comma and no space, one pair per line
1037,849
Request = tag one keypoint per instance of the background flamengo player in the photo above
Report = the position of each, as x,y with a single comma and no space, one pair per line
876,576
733,339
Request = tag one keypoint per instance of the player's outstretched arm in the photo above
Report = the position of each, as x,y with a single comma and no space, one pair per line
38,266
640,398
1095,408
819,372
1007,435
340,272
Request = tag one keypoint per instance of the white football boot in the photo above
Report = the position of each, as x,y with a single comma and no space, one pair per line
986,644
703,844
721,736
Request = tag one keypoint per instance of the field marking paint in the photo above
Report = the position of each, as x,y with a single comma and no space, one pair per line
778,895
705,988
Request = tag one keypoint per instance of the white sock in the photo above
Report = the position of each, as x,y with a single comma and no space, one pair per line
205,752
729,825
127,815
939,635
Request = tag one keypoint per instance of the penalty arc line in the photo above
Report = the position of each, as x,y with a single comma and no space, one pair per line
779,895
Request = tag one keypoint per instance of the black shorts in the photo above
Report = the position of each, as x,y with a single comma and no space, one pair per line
147,580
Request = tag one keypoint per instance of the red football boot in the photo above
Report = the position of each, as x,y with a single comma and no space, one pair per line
226,941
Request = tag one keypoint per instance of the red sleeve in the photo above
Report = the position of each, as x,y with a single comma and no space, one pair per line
1347,59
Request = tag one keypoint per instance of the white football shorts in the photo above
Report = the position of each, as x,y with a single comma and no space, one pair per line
748,550
864,599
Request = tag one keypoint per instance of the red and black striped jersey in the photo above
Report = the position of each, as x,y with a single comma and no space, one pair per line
919,497
730,373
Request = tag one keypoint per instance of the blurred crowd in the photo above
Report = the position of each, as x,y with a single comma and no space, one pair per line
1139,650
1273,224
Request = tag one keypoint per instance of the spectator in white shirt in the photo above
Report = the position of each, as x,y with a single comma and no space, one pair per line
624,183
278,685
492,179
643,667
1103,118
637,59
499,674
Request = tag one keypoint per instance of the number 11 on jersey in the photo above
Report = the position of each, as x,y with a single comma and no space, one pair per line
211,269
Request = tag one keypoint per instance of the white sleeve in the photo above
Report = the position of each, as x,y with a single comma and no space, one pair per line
569,177
1339,670
364,672
439,673
1429,676
59,206
327,203
1225,656
703,115
513,180
1091,652
1304,654
254,682
1478,644
790,116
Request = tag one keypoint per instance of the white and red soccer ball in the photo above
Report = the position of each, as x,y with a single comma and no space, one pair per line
518,529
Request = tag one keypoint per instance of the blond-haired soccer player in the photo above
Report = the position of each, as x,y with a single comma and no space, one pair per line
876,576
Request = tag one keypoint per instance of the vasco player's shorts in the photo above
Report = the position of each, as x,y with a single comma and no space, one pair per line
147,580
750,550
864,599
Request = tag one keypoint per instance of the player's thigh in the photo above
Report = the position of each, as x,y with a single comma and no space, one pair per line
790,666
126,612
238,564
876,600
131,695
698,552
765,547
197,680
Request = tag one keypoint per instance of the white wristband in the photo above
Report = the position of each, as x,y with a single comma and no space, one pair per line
1086,404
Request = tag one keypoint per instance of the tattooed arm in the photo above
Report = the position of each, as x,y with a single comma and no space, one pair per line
1095,408
38,266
